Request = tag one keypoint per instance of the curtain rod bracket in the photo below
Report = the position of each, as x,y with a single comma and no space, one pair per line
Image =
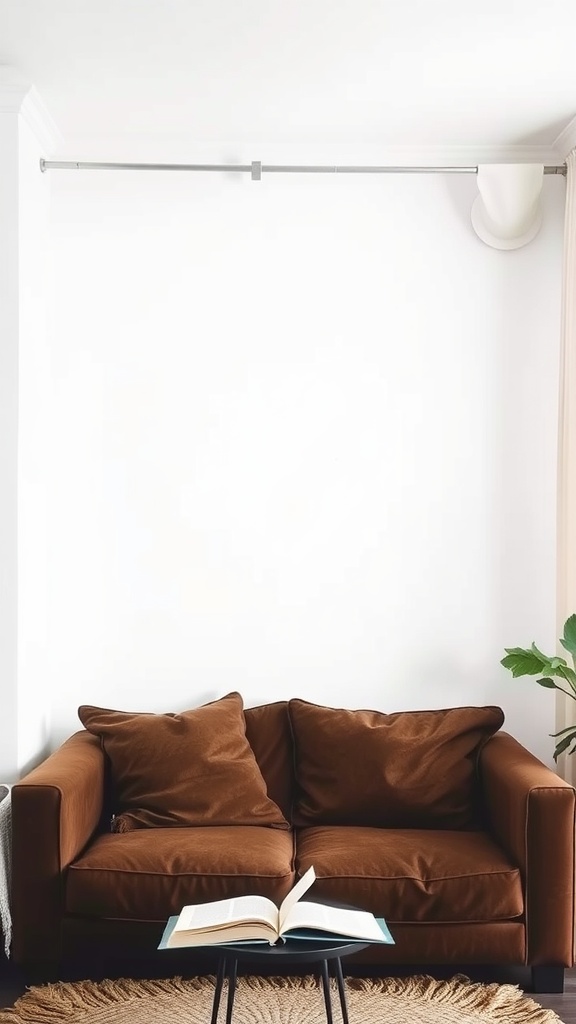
256,170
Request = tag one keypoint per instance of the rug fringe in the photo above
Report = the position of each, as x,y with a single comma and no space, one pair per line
61,1002
500,1003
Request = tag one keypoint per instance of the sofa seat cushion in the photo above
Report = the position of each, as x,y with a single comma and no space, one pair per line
149,874
412,875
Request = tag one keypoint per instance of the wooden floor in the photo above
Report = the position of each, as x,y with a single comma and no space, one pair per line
565,1004
12,986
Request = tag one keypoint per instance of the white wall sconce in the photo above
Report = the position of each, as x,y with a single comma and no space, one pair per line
507,214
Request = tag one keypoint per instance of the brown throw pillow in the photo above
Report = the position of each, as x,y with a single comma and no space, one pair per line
192,768
413,769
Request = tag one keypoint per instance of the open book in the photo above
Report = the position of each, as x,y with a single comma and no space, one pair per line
258,919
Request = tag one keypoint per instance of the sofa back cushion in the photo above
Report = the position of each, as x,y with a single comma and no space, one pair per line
269,734
412,769
192,768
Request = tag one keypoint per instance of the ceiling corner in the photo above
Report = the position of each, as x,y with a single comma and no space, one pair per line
14,87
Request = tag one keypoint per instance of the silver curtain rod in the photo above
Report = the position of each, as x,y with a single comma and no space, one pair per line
256,169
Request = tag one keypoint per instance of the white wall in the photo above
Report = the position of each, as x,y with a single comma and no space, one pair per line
8,441
24,426
303,444
34,453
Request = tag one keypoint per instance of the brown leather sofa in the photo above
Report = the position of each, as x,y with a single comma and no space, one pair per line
367,798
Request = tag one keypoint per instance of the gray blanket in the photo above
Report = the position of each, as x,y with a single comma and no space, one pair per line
5,864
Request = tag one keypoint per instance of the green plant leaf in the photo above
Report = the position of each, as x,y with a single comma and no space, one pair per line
548,683
569,639
551,665
543,657
557,663
569,728
570,675
564,744
522,662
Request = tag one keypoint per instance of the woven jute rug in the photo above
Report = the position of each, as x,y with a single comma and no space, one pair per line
416,1000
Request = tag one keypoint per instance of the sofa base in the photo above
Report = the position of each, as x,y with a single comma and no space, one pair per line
539,980
548,978
131,947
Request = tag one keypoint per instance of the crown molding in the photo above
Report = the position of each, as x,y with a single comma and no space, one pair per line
566,140
177,149
36,115
18,96
13,89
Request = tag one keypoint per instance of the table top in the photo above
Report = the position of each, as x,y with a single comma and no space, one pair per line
292,951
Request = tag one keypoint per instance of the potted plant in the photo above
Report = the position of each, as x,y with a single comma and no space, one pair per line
532,662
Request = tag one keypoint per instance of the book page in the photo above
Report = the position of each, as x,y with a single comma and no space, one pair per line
247,932
358,924
308,878
207,916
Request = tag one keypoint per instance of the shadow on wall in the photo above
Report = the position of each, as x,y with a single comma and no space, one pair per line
42,754
137,703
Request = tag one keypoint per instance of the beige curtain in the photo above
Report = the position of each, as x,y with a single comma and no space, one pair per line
566,536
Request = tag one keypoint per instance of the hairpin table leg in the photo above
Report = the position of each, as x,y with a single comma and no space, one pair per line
326,989
218,989
341,988
232,972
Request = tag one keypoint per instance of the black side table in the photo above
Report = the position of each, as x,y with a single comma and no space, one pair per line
323,952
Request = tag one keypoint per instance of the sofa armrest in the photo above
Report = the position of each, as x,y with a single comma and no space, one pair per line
531,811
56,808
